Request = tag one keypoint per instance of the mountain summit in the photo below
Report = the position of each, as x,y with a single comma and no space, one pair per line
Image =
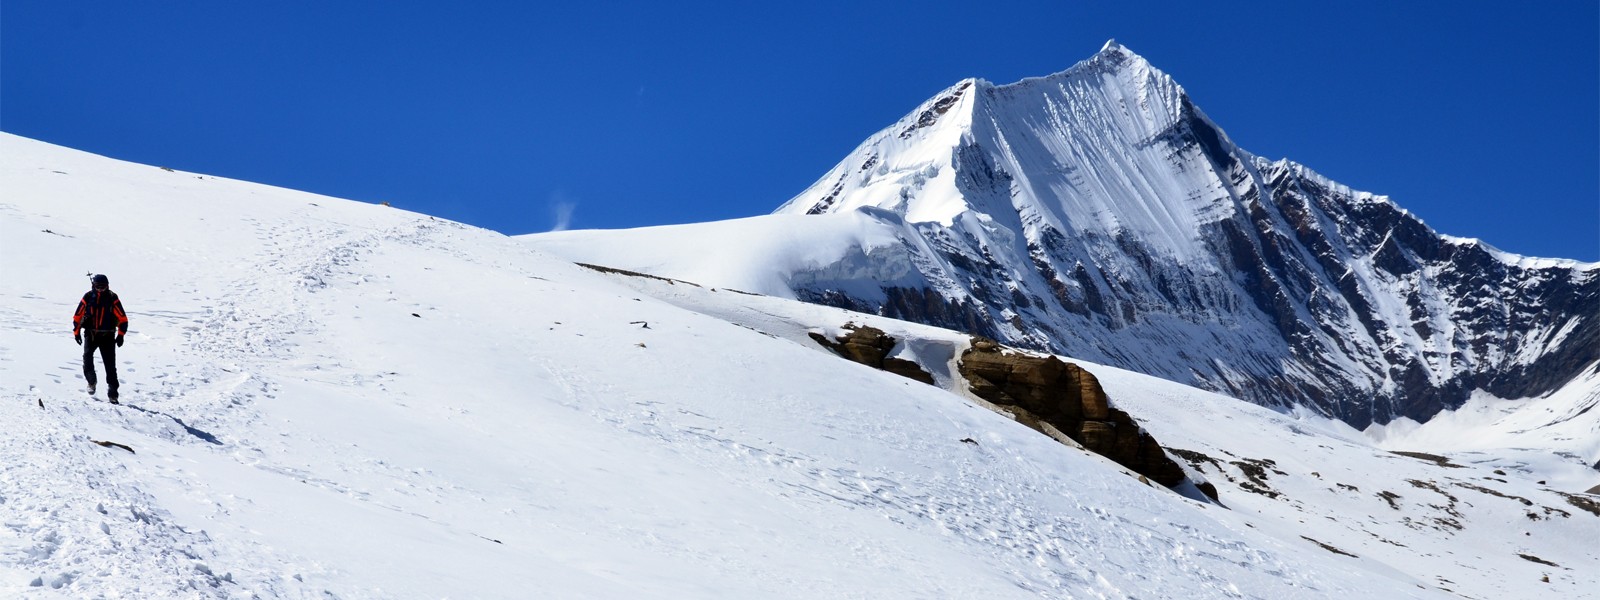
1110,145
1099,213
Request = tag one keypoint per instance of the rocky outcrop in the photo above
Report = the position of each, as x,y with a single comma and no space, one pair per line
871,346
1043,392
1044,389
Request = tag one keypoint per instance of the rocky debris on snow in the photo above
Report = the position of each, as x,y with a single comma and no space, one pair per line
1390,497
1433,458
1329,547
1493,492
604,269
1583,502
1046,390
1454,520
1255,471
871,346
1532,558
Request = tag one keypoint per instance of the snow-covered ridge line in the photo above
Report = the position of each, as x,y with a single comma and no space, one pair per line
1340,189
1112,52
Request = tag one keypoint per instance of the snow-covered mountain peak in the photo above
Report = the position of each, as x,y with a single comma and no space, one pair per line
1120,53
962,151
1098,212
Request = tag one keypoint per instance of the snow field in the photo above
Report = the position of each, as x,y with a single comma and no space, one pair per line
334,399
1471,526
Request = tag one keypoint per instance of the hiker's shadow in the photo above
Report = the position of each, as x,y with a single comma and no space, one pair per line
204,436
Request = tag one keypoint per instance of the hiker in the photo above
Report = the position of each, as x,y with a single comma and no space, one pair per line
101,319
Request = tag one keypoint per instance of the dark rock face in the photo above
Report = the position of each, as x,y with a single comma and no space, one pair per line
871,346
1070,399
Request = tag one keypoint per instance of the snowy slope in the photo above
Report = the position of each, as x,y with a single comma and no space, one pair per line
1445,517
1098,213
1555,437
332,399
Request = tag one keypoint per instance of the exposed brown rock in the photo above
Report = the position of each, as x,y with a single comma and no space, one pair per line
871,346
1043,393
1068,398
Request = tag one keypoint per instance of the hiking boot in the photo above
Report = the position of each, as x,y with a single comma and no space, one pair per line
91,389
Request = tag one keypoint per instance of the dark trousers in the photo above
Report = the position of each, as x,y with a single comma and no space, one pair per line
106,343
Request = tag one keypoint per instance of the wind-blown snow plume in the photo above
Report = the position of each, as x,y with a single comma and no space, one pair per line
561,209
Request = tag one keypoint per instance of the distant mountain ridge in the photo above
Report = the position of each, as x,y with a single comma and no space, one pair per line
1098,213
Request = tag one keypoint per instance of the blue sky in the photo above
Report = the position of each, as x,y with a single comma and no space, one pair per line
1481,118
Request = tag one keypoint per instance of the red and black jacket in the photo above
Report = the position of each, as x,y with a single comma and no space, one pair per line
100,311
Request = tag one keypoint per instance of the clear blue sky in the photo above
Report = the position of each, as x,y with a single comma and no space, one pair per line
1482,118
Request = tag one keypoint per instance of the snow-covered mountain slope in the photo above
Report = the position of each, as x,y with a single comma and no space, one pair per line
1553,437
325,398
1447,518
1556,435
1098,213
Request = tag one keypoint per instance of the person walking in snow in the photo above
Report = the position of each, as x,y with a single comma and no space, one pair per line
102,321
